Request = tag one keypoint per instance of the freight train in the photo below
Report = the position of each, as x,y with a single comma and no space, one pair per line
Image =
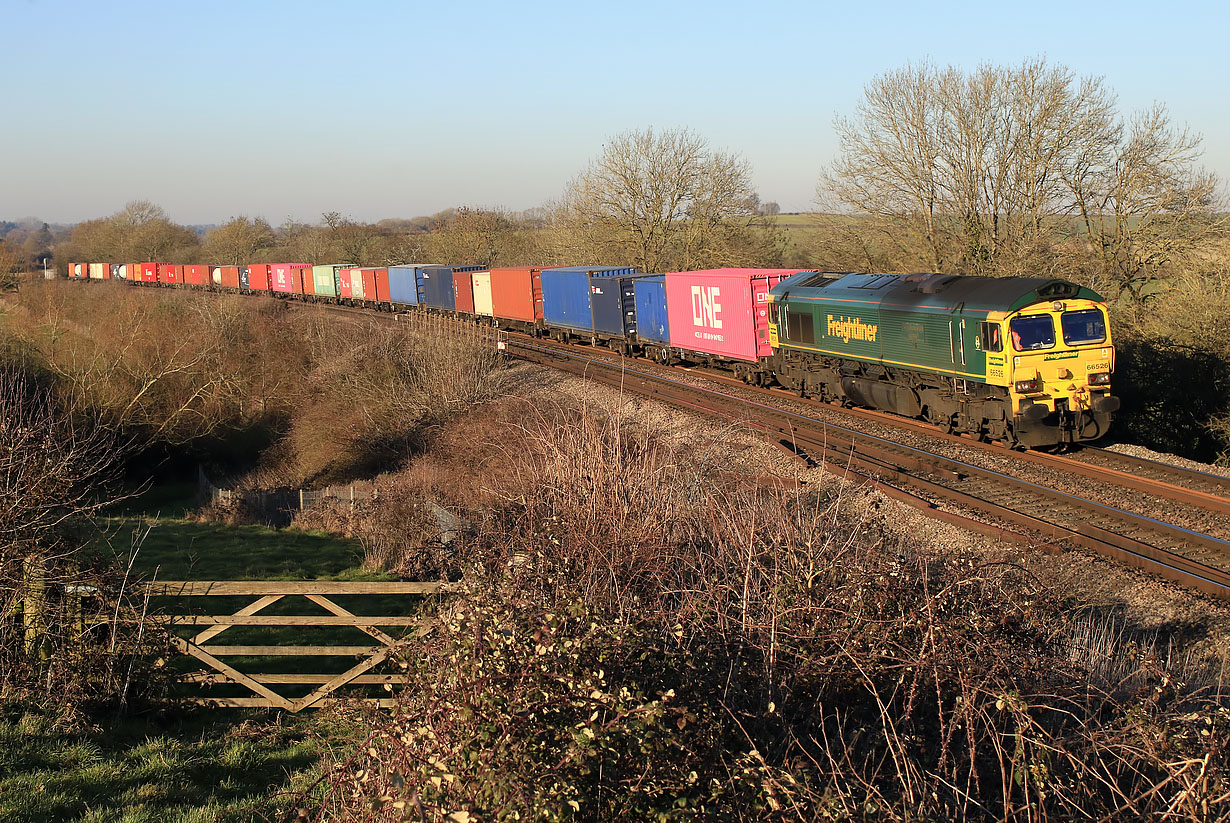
1021,360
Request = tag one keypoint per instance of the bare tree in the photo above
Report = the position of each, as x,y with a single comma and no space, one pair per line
476,236
983,168
659,200
238,240
889,164
8,267
356,242
1143,203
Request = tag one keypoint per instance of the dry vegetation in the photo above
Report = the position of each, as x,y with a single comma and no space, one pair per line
644,637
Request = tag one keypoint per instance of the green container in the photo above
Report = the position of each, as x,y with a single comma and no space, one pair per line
324,280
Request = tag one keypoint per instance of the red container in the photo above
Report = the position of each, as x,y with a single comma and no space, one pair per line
196,275
148,272
225,276
170,274
344,277
369,283
288,278
516,293
463,291
380,285
258,276
723,312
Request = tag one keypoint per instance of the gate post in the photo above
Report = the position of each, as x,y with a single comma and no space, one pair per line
33,613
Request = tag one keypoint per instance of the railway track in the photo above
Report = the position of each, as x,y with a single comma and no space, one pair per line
945,487
1007,507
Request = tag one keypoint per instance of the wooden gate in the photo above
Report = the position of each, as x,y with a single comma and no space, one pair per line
267,593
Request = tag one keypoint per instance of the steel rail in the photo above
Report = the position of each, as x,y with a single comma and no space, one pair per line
887,461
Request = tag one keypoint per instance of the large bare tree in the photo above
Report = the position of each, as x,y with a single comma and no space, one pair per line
1142,202
983,169
238,240
659,200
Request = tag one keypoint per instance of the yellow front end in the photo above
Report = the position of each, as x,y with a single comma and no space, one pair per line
1059,359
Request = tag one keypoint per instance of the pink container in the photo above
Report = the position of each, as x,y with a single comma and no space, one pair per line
722,312
288,277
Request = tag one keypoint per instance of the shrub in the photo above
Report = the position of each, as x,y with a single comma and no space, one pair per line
644,638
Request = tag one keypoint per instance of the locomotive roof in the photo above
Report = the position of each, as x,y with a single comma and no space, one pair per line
947,292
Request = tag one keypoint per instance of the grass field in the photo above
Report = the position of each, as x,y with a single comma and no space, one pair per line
191,765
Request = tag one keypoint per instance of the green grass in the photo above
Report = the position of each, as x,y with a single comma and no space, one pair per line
194,766
178,549
200,768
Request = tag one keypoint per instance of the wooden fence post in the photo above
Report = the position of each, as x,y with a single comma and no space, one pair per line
34,611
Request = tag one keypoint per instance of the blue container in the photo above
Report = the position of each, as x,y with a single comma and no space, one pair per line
404,284
612,302
565,300
652,322
435,285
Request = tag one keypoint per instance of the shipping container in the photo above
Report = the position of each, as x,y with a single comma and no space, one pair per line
258,276
381,278
245,280
722,312
100,271
437,287
226,277
589,299
170,273
481,282
565,300
612,301
197,275
124,271
516,294
149,272
352,283
463,291
343,282
287,278
404,284
324,280
652,322
370,291
78,271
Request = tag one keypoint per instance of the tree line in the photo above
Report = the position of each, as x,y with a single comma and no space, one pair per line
1001,170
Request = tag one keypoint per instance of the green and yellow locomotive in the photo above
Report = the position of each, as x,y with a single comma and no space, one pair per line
1023,360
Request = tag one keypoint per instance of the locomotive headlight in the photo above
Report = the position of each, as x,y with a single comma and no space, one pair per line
1023,386
1100,378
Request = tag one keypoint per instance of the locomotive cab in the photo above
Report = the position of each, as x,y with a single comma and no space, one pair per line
1058,358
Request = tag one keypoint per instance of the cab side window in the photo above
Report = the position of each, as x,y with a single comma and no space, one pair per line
990,337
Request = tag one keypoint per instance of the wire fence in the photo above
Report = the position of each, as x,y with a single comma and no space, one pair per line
280,504
441,324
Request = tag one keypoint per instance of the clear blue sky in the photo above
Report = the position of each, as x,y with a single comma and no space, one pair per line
395,109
